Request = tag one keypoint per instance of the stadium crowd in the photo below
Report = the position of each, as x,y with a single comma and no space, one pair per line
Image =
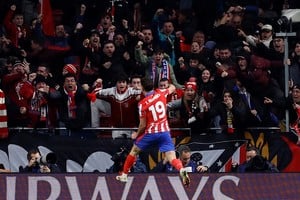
224,58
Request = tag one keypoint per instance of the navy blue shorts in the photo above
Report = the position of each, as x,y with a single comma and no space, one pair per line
163,140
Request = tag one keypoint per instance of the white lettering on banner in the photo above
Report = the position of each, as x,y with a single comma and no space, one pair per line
200,187
33,189
152,188
177,186
73,187
11,187
102,189
217,194
127,188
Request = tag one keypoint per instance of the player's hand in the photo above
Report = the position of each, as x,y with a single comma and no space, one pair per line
134,135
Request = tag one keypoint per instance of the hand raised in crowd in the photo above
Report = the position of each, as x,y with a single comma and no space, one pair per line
13,7
267,100
107,65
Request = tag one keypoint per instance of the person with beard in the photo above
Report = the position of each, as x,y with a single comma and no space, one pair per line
91,54
110,65
122,100
225,68
254,163
73,107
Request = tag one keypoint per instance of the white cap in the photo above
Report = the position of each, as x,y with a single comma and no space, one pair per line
267,27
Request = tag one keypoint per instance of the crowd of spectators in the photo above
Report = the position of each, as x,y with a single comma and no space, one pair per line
223,57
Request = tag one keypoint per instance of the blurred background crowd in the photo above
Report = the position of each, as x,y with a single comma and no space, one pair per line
78,64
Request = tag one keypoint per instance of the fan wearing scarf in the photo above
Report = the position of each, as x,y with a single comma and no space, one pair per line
157,66
73,104
191,107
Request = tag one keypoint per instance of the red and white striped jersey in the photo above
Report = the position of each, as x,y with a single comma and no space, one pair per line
3,116
154,109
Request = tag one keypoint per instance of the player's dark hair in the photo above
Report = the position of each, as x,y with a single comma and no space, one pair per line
147,84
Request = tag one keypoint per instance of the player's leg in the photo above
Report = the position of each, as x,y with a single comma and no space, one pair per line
130,159
166,145
177,164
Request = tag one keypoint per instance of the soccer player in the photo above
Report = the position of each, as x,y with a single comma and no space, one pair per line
154,129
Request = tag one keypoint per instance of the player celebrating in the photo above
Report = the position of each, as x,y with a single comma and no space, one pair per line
154,129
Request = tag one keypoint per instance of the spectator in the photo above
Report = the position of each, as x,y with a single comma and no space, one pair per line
44,71
73,107
156,67
206,87
39,104
225,68
165,35
91,54
17,111
146,36
229,114
294,68
123,51
14,26
191,66
135,82
110,65
293,106
191,108
264,37
123,100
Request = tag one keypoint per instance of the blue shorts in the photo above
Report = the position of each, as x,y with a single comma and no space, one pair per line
163,140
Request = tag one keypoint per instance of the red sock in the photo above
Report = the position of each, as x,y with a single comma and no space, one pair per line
128,163
177,164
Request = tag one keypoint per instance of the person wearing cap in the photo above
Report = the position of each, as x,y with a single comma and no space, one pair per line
265,36
191,108
123,100
69,69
